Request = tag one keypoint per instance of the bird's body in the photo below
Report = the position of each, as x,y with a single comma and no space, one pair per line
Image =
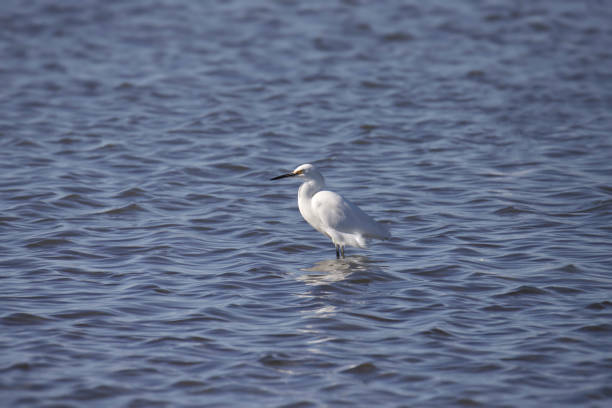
333,215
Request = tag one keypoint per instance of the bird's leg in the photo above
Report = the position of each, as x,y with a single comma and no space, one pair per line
342,247
337,251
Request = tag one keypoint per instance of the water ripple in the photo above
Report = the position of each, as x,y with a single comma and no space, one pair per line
148,261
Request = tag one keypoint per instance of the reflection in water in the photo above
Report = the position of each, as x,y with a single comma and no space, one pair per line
329,281
335,270
322,273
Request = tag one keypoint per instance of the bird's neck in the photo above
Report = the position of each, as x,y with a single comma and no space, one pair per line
309,188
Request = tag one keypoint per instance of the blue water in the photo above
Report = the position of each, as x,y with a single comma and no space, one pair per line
147,260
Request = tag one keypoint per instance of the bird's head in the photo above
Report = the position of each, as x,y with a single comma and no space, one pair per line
306,171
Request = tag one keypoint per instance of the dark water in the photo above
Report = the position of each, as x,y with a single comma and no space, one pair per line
147,261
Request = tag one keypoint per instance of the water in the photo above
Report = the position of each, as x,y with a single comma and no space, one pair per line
147,260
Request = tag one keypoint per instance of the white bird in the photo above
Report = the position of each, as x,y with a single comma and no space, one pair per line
331,214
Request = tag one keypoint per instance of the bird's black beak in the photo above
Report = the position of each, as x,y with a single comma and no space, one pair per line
283,176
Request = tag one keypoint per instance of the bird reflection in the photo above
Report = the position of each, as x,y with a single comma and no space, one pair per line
327,298
335,270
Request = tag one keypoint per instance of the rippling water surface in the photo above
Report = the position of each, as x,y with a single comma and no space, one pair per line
147,260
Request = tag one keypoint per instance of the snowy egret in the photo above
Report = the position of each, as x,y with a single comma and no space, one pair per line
331,214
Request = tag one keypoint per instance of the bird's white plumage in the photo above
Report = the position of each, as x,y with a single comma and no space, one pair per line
331,214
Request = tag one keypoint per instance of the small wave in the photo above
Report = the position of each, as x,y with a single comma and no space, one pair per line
75,200
524,290
380,319
436,332
21,318
277,360
603,305
126,210
362,369
398,36
80,314
232,167
189,384
48,243
512,210
131,192
564,290
603,328
500,308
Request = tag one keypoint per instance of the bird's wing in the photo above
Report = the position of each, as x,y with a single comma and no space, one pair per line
338,213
